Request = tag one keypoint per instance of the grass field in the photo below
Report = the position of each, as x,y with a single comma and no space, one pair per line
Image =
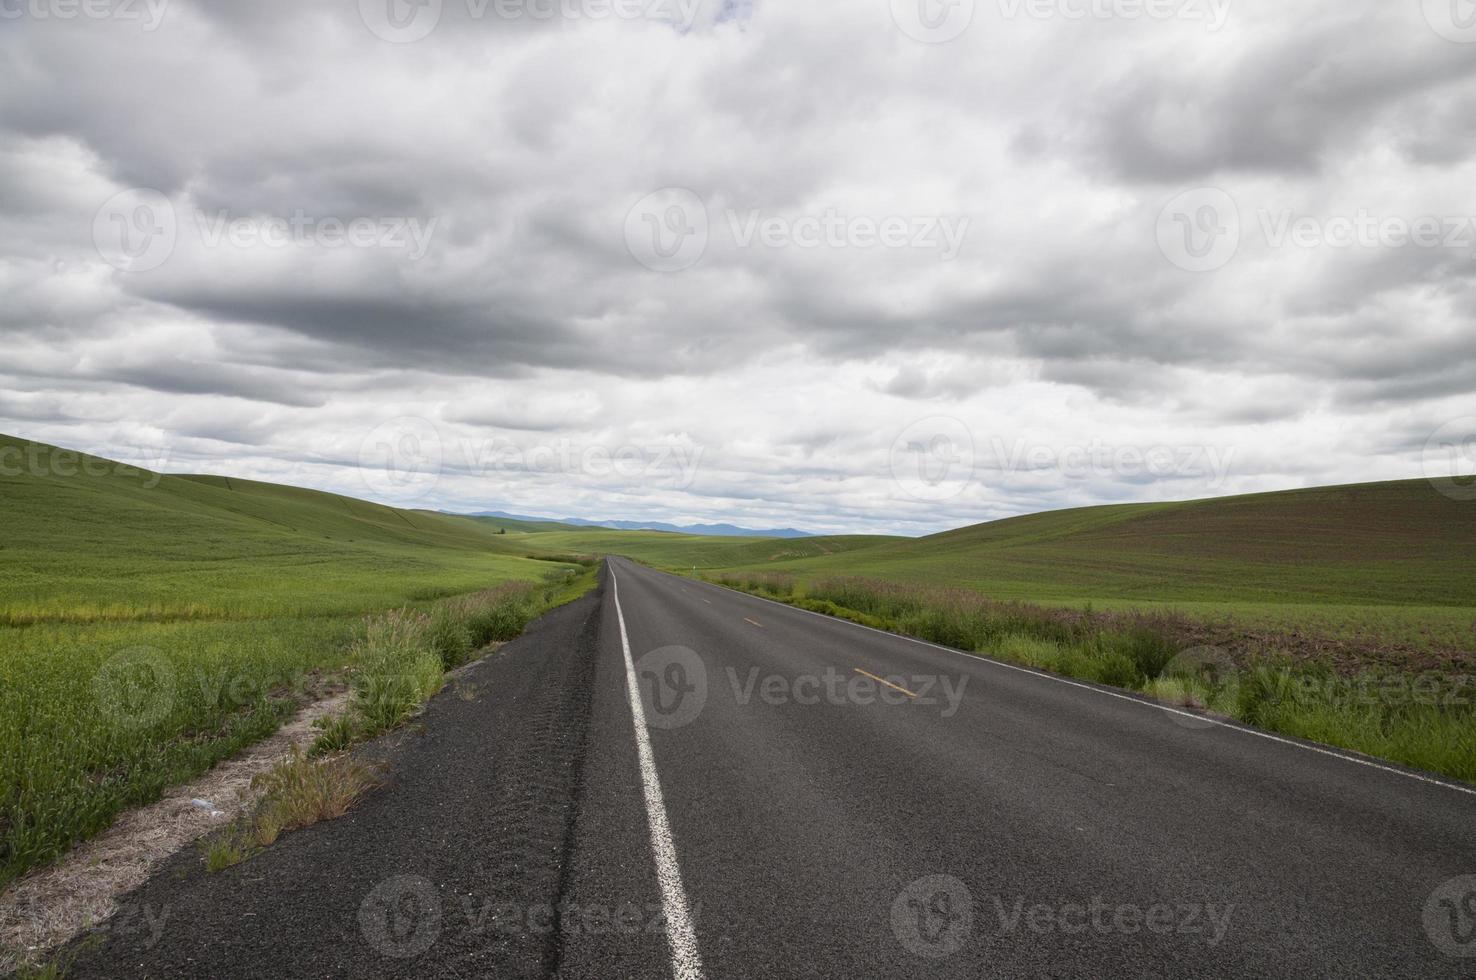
151,626
1369,572
691,550
1345,615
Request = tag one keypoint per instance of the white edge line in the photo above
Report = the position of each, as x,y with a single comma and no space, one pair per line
686,964
983,658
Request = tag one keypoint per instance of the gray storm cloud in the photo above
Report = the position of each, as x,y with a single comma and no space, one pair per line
251,235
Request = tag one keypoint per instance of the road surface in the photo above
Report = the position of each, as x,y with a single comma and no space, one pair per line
809,798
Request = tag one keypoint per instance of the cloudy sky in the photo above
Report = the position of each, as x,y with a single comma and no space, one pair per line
845,265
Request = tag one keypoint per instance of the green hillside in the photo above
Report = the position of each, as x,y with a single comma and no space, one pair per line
1369,562
514,526
670,550
152,625
1397,543
86,539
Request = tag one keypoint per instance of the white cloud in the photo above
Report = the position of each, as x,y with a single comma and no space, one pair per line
1062,331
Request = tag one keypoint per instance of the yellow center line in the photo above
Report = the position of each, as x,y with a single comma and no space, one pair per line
747,620
883,680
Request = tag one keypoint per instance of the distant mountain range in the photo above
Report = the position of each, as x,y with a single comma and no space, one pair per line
715,530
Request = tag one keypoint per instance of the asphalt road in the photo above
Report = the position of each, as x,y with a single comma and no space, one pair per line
809,798
1001,823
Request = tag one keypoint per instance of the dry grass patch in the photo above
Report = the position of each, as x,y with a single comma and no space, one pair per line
299,792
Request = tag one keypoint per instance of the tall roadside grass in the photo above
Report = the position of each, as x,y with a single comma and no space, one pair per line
96,717
1426,721
296,793
401,657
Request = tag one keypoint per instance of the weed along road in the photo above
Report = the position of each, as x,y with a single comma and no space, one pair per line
795,796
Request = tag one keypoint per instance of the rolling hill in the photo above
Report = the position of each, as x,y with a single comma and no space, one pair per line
1394,543
88,538
152,625
1380,562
